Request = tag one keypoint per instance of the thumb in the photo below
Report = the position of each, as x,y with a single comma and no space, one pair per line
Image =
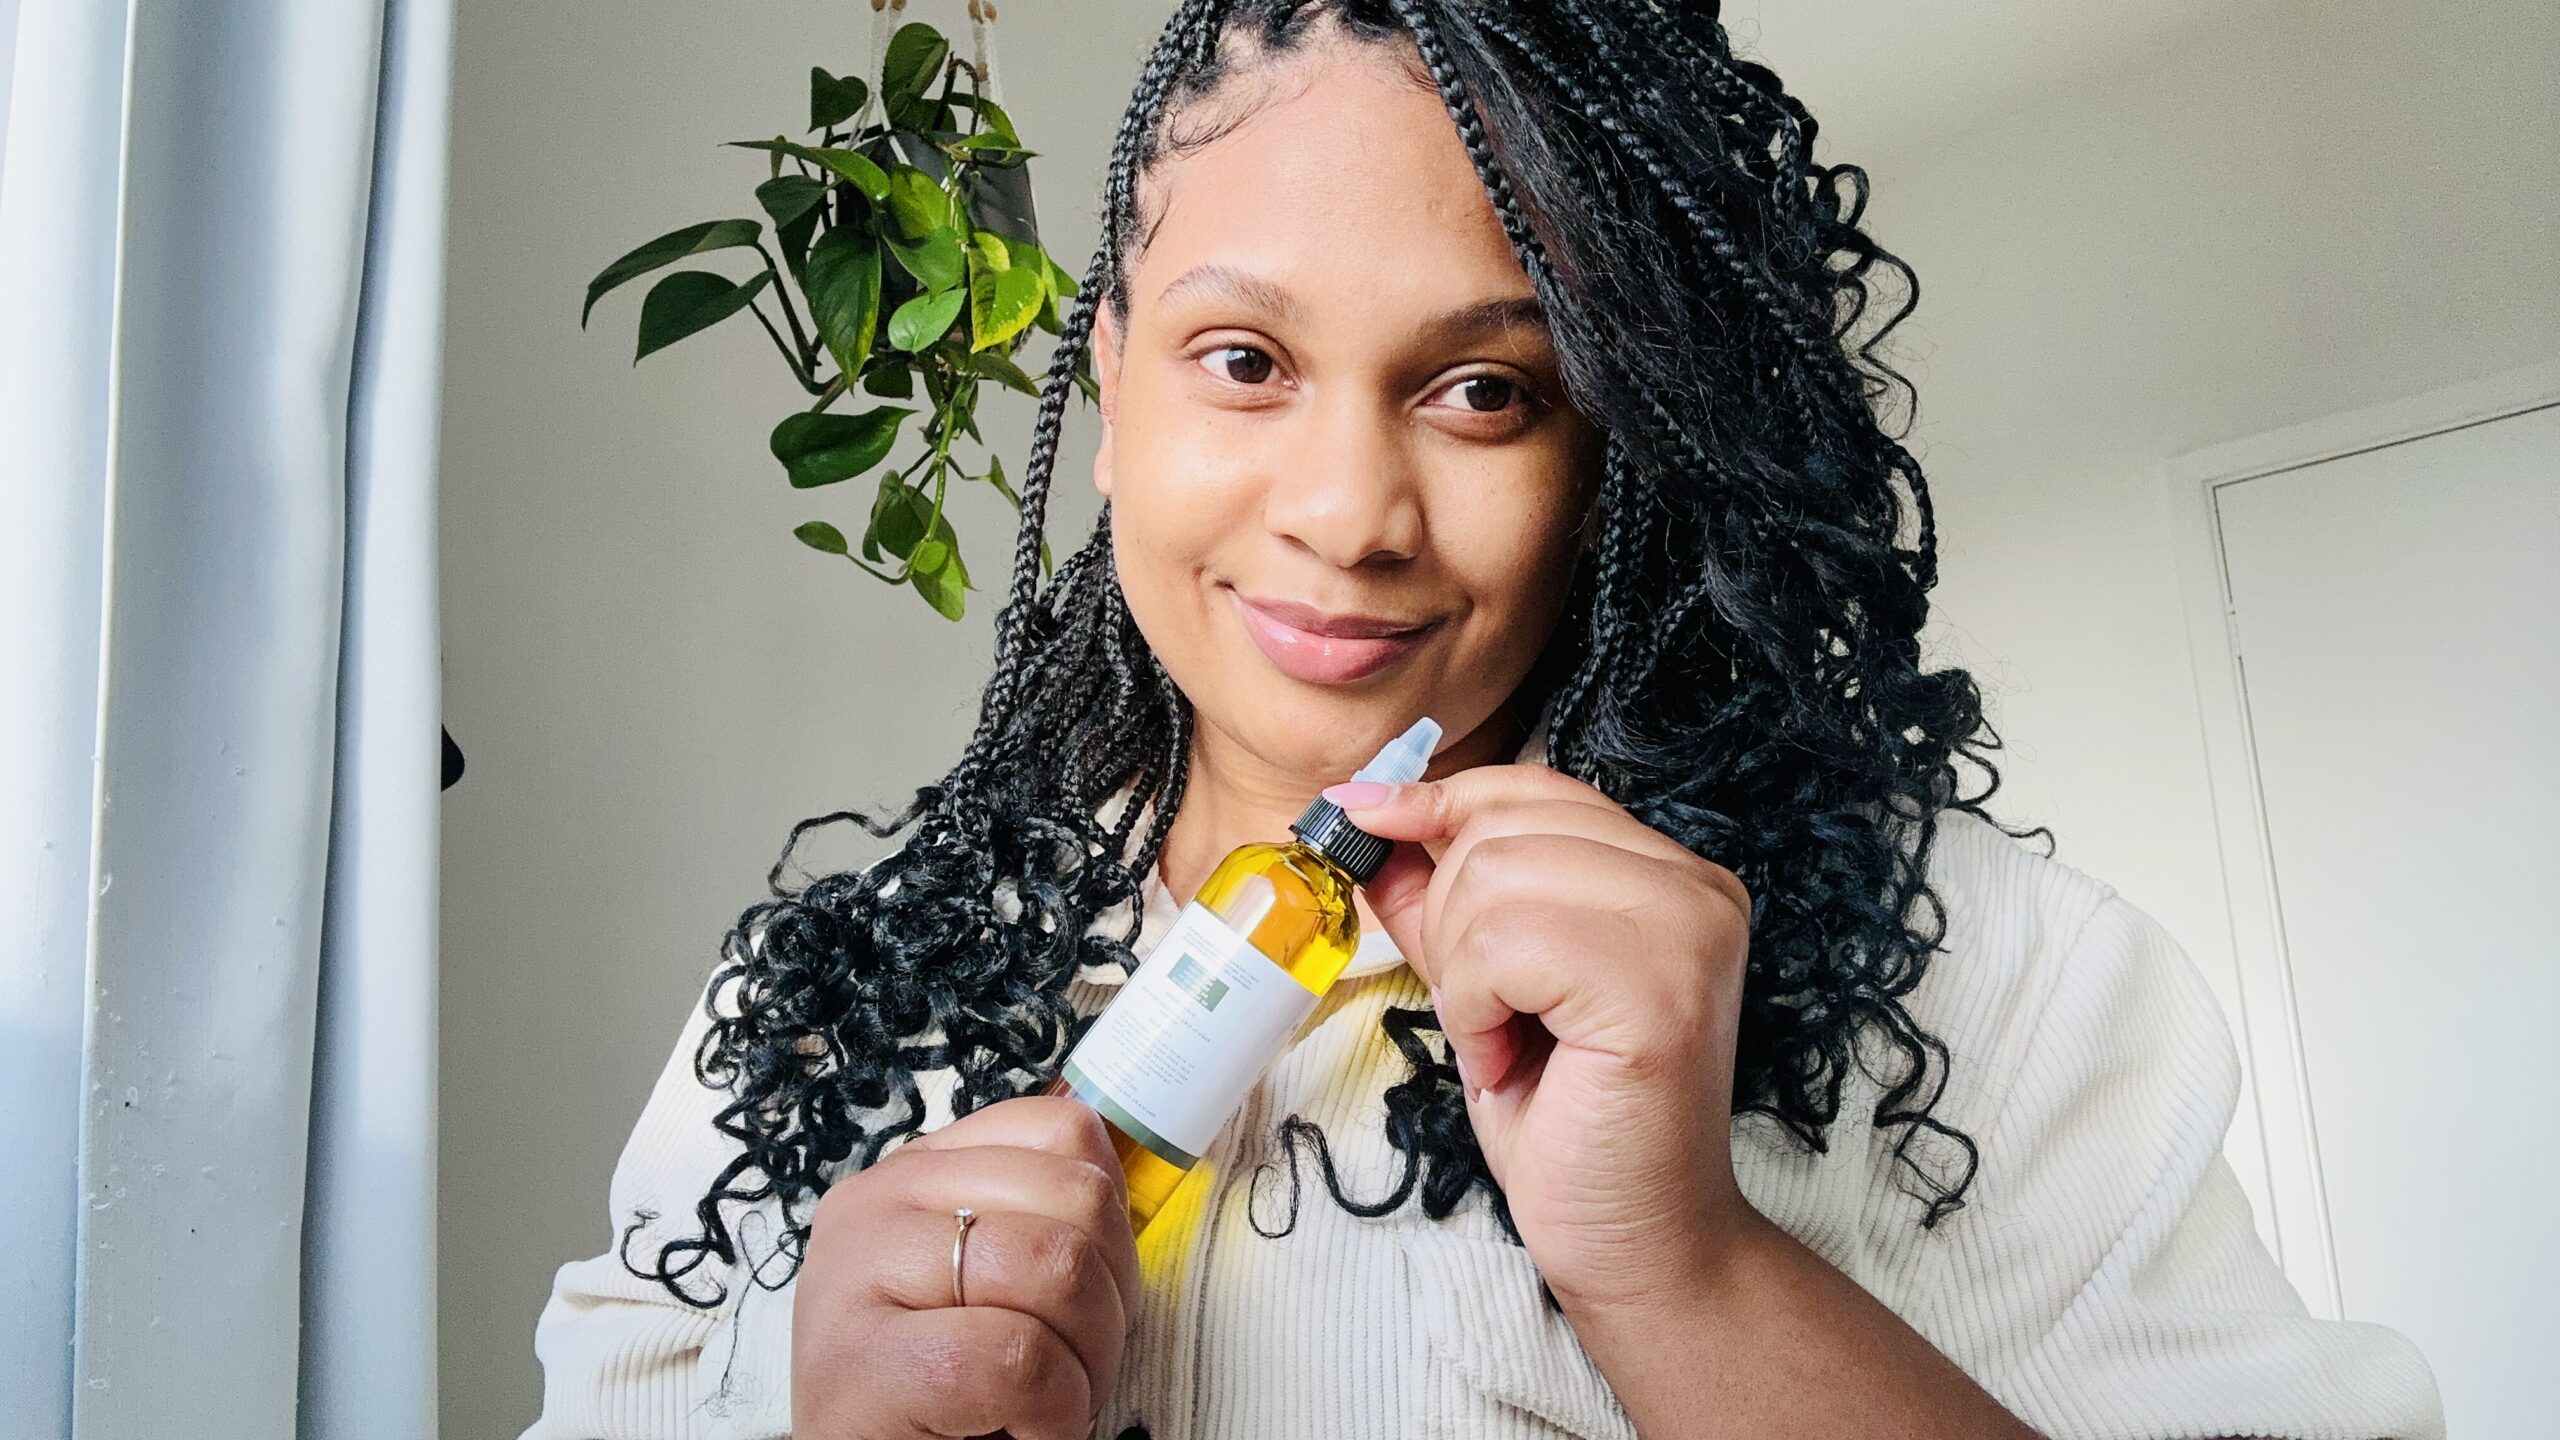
1396,894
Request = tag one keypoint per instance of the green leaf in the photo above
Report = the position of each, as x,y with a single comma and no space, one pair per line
923,319
668,249
794,202
989,151
1002,295
844,294
888,375
1027,254
912,65
1050,295
790,197
821,449
819,535
999,124
689,301
1061,284
833,101
848,165
935,572
1001,303
995,365
935,260
1022,254
995,477
898,515
917,203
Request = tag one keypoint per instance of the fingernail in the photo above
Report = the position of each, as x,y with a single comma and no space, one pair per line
1360,794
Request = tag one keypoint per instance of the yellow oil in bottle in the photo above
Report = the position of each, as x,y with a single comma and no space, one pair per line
1225,988
1293,905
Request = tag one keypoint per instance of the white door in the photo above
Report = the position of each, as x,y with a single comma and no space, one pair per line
2394,619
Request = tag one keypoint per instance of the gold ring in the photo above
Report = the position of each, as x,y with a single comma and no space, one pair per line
959,1248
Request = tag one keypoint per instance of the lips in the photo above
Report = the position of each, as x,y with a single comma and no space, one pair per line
1328,649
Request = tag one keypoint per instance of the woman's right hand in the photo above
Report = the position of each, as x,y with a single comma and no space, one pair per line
877,1347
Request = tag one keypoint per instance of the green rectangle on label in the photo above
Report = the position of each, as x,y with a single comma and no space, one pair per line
1091,1094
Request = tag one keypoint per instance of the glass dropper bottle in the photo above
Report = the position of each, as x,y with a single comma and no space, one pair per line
1223,992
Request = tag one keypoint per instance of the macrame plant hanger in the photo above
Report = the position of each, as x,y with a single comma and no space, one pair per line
887,15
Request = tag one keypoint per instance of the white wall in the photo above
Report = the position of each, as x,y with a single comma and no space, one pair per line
2291,212
650,679
2301,209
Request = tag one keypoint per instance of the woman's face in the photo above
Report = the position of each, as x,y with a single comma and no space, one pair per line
1335,411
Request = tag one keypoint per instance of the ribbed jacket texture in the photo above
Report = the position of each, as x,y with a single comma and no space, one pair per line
2103,1280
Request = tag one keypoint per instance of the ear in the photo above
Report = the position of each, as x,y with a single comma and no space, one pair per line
1106,379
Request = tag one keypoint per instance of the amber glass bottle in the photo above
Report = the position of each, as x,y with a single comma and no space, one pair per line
1225,988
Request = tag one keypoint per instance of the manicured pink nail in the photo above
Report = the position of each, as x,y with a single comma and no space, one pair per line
1360,794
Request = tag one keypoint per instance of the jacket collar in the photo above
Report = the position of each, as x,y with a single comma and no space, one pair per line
1377,951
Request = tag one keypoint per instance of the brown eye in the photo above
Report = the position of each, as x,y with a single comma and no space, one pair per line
1242,364
1488,395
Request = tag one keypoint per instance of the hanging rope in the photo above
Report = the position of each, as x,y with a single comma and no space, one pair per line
886,16
982,14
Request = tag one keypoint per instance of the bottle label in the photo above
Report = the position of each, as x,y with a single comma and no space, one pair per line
1175,1052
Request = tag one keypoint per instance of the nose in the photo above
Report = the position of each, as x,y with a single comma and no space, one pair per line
1349,492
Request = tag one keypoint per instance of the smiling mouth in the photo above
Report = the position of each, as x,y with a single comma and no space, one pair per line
1328,649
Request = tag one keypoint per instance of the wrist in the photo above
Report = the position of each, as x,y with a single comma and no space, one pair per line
1692,1267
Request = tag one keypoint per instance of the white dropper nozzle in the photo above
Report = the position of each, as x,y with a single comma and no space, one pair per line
1325,827
1405,757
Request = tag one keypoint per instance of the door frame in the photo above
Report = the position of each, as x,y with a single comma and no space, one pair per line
2270,1027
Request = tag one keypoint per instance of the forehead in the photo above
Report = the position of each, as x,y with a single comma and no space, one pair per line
1333,173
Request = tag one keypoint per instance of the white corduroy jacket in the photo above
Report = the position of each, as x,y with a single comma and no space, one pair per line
2103,1280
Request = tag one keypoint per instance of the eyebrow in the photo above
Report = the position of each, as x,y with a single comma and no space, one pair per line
1476,319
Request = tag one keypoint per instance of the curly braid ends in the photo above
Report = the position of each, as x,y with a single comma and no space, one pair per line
1740,667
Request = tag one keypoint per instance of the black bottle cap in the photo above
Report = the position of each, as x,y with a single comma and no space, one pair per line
1332,834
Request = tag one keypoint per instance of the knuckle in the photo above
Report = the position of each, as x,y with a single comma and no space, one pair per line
839,1200
1435,801
1024,1360
840,1207
1079,1129
825,1326
1506,858
1061,1259
1727,885
1097,1193
1514,927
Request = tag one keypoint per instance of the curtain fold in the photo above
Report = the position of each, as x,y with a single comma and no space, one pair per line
221,231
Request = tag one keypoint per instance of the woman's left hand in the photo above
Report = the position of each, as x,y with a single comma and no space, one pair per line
1588,972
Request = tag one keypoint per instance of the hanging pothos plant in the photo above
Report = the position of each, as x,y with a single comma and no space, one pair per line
907,228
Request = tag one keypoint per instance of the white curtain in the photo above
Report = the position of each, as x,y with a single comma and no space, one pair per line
221,232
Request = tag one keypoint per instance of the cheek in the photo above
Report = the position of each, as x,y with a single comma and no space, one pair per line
1186,480
1174,508
1514,545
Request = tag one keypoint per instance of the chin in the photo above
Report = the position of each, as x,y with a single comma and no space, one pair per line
1322,736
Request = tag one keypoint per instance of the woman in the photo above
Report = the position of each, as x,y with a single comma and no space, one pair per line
1711,1064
